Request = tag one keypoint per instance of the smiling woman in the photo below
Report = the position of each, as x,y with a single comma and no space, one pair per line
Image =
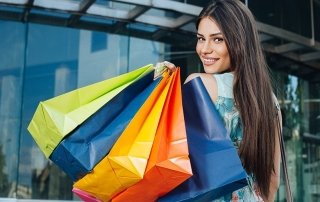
237,79
211,47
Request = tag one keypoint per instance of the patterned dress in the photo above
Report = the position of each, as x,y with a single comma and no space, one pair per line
226,107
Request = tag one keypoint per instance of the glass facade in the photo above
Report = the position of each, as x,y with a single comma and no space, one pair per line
38,63
11,85
300,106
41,61
279,14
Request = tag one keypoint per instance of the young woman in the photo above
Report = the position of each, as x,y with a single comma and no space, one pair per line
237,79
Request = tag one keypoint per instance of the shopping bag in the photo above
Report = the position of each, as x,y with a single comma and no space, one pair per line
85,146
56,117
127,160
169,164
85,196
216,166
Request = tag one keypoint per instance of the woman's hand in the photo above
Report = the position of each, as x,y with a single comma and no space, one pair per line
163,66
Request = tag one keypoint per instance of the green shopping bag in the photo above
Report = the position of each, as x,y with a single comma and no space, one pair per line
57,117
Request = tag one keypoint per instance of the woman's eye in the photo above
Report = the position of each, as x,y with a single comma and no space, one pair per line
200,39
218,40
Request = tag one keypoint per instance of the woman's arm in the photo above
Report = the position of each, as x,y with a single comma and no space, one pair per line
275,177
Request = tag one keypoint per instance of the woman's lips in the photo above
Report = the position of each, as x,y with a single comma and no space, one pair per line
209,61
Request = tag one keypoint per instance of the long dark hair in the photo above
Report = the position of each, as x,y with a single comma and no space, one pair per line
252,87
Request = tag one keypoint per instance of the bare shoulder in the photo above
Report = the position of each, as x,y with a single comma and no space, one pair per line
208,81
204,77
192,76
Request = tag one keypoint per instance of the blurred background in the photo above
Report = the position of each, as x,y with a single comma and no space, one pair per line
49,47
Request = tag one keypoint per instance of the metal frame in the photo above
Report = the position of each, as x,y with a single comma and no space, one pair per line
297,48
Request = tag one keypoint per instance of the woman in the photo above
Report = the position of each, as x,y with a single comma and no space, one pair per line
236,77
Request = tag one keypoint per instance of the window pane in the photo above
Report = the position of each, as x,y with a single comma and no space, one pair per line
51,69
291,15
144,52
60,60
11,67
300,106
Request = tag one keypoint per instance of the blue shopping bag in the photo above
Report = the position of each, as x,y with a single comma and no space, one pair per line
216,166
84,147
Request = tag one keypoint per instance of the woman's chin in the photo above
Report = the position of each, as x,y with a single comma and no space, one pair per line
209,69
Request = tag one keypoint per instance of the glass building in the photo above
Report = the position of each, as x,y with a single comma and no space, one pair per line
49,47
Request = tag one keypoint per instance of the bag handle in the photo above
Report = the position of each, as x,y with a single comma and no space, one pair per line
283,159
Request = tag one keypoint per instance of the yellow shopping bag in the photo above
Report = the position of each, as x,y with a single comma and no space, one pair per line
126,163
168,164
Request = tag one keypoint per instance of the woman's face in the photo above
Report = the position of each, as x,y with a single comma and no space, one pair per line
211,47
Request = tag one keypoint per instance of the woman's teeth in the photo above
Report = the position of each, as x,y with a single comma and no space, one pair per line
209,61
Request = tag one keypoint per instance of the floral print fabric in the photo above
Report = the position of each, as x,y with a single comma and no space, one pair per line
226,106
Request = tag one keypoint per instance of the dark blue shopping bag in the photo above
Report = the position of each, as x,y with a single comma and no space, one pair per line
216,167
84,147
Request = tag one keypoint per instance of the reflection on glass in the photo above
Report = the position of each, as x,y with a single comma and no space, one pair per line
289,97
150,53
12,59
300,106
50,70
109,61
311,138
60,60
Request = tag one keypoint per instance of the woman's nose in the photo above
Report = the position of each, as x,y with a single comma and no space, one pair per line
206,48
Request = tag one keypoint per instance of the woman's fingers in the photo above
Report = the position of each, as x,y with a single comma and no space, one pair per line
170,65
162,66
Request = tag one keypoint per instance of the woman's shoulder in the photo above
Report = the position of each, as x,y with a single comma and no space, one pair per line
193,76
208,81
204,77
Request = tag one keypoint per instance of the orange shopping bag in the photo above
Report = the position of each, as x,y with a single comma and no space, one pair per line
169,164
126,163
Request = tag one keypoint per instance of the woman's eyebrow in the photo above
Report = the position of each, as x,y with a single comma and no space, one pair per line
215,34
211,35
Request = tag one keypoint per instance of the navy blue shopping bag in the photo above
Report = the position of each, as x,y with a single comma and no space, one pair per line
216,166
84,147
